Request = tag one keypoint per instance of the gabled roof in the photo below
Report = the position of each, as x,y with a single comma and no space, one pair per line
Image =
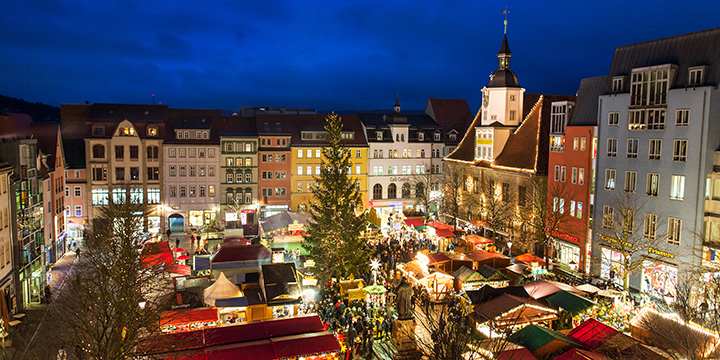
686,50
592,333
450,114
487,293
15,126
570,302
240,253
238,126
47,135
77,120
462,273
295,124
585,112
534,337
512,309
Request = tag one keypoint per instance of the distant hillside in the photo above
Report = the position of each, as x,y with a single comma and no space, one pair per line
40,112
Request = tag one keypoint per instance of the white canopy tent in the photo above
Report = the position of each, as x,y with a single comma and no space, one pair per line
221,289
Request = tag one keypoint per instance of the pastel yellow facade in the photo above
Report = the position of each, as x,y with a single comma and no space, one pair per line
306,162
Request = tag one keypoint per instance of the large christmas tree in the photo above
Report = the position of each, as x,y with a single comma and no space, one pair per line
334,232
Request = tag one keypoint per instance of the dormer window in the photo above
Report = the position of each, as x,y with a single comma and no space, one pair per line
98,130
421,136
278,127
617,84
152,131
696,75
179,135
453,137
266,127
127,131
436,136
379,135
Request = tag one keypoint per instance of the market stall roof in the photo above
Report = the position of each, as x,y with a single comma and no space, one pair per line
437,257
232,302
234,253
351,284
506,310
580,354
444,233
487,293
653,327
600,337
178,269
529,258
542,341
414,222
517,268
482,255
590,289
305,344
236,241
570,302
280,284
541,288
222,288
417,270
520,353
282,220
479,223
183,317
438,225
156,253
182,300
462,273
478,240
489,273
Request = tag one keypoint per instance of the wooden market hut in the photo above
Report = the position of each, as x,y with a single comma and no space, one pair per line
494,259
510,310
543,342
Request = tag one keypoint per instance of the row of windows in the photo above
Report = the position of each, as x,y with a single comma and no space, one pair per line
278,158
392,191
577,177
102,197
654,149
238,178
238,198
649,119
4,219
238,147
196,134
421,136
652,187
195,190
273,142
650,224
279,191
238,162
404,170
278,175
78,211
77,191
191,152
98,152
195,170
575,209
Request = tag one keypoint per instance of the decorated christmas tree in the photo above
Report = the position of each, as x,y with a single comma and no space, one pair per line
334,232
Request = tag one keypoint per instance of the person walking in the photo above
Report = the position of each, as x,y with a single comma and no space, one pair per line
177,242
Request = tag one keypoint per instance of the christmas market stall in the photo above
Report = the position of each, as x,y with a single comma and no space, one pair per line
352,289
222,288
282,228
543,342
477,242
436,283
510,311
184,320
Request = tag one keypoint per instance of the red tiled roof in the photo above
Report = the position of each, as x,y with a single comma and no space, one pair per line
450,114
240,253
521,149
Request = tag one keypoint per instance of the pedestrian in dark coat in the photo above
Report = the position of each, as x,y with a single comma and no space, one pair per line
177,242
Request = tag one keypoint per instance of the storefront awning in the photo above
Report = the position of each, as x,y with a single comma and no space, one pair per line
183,317
415,222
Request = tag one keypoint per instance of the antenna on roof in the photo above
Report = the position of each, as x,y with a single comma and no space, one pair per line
153,96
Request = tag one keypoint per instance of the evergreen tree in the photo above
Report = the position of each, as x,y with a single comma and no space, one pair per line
334,233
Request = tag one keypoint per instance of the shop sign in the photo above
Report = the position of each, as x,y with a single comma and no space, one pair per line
275,207
615,241
398,178
661,253
247,211
295,226
309,263
175,207
398,203
565,237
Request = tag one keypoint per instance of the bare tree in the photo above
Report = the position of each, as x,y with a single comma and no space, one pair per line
548,213
111,303
454,196
423,185
497,204
627,229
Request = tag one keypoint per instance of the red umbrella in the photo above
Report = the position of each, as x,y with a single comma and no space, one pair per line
183,257
178,250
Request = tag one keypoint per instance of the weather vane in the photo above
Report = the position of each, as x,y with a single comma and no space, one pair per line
505,22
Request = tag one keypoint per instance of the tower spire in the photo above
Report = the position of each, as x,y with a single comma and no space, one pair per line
505,22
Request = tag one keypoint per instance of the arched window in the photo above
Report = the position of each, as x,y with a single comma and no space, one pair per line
98,151
376,153
381,154
392,191
406,190
395,154
419,190
377,192
422,153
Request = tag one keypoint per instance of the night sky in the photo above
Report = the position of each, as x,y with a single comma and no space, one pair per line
327,55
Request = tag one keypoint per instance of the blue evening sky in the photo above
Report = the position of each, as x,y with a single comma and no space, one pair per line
328,55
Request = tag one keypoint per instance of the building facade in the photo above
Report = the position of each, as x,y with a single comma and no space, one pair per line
7,283
239,174
658,136
273,165
76,200
191,164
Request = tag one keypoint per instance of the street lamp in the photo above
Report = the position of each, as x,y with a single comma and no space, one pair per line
509,248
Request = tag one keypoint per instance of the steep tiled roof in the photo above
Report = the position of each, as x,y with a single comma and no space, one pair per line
294,124
77,120
47,135
522,147
450,114
238,126
72,118
191,119
74,153
687,50
586,107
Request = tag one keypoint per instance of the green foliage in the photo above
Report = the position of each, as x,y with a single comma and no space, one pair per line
334,232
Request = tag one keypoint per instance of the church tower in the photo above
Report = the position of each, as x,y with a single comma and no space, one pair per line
503,95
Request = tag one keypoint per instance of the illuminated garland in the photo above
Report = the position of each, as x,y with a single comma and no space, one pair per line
537,141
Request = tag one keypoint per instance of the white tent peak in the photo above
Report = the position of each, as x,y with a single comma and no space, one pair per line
221,289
